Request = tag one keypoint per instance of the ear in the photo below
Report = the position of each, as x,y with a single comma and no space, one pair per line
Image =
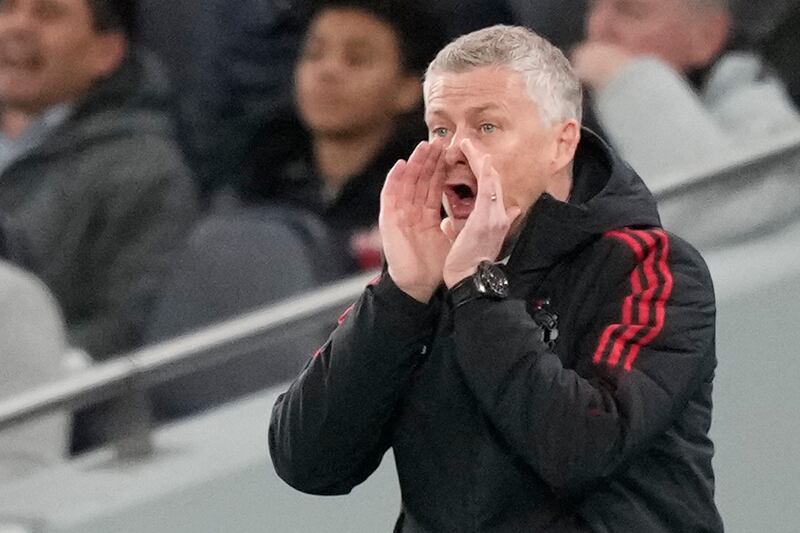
408,94
708,35
566,136
107,53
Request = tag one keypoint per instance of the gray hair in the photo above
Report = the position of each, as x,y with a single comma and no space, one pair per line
546,72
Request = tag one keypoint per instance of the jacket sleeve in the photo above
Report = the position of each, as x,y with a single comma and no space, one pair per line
678,127
646,352
741,107
330,429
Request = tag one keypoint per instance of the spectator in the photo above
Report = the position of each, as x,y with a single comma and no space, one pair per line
244,80
358,98
32,352
559,21
232,63
91,179
667,87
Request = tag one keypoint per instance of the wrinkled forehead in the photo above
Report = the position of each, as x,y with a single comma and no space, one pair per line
491,84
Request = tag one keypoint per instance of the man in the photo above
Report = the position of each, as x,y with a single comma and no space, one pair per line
93,188
668,89
539,360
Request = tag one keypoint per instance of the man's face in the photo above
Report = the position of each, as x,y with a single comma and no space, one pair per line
491,107
660,28
49,52
350,77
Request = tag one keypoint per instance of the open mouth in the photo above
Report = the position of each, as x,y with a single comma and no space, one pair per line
461,199
15,55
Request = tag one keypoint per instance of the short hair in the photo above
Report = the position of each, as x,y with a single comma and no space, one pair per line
546,72
419,34
113,15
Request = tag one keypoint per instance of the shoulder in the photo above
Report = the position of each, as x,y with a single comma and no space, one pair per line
656,257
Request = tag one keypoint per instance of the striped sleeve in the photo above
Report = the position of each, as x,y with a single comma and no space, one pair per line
642,310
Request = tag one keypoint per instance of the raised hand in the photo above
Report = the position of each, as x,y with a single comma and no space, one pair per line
597,63
413,243
487,226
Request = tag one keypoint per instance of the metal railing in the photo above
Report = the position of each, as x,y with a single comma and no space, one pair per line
124,376
159,363
687,178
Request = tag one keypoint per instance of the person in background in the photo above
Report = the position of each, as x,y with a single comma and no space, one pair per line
94,191
667,88
357,110
559,21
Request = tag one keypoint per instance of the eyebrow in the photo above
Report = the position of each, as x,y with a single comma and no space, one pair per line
475,110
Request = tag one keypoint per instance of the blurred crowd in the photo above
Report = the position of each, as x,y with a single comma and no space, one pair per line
166,164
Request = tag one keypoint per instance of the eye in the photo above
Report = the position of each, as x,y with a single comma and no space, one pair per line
439,132
488,128
358,59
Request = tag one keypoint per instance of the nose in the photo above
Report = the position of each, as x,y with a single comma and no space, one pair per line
331,66
600,21
453,154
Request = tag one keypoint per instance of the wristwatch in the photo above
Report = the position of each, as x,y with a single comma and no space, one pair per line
489,281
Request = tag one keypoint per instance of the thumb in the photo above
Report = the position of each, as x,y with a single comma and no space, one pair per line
449,229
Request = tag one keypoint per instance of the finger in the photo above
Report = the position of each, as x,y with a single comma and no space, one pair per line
413,170
426,174
436,188
449,229
473,156
393,185
490,190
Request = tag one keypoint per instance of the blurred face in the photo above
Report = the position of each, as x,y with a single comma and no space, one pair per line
350,76
50,52
666,29
491,107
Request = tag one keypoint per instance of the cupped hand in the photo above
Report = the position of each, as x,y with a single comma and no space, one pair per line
413,243
597,63
485,231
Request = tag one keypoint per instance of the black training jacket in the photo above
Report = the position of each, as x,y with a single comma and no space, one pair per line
580,403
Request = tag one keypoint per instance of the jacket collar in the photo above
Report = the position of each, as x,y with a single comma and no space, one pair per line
607,194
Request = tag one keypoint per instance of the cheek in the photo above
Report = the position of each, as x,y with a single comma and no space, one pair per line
303,76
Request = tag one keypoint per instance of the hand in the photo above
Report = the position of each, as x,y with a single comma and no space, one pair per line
597,63
413,243
487,226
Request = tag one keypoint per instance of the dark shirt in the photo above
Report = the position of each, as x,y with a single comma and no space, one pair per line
281,170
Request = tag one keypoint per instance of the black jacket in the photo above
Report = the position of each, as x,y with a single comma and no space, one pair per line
580,403
281,170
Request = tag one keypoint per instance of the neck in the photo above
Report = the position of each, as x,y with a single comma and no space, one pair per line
561,185
14,121
340,157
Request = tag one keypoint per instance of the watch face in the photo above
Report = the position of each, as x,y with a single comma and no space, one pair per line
494,280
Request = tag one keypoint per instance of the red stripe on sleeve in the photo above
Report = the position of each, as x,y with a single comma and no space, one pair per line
660,302
601,346
632,334
343,316
627,305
